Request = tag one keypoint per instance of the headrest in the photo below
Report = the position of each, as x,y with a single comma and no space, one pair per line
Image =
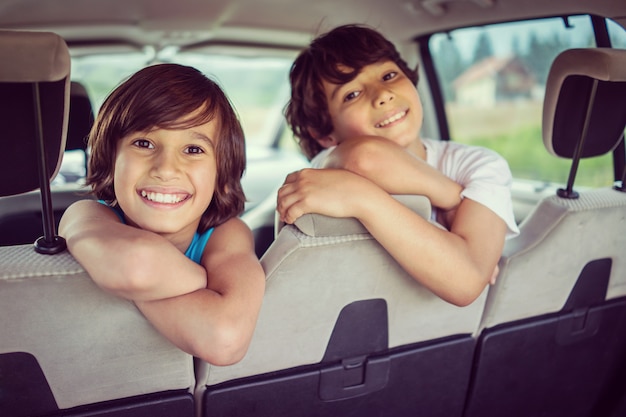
569,89
30,58
318,225
81,118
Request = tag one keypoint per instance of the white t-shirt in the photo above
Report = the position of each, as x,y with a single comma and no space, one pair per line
484,175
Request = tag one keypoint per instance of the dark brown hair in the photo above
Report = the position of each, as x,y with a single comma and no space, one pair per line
160,96
351,46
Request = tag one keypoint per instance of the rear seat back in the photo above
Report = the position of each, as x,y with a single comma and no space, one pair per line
345,331
20,215
66,346
19,72
554,327
81,119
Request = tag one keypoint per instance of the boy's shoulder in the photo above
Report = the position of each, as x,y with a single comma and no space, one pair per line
446,149
318,160
458,159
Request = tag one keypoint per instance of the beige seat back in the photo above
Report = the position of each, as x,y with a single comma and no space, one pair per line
553,334
21,217
540,267
66,347
342,325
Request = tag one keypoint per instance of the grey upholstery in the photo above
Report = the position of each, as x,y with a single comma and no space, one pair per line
316,270
31,58
21,215
539,269
556,313
567,93
319,225
64,342
561,235
90,345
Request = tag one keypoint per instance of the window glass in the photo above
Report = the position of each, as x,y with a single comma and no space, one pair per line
493,78
257,86
617,34
101,73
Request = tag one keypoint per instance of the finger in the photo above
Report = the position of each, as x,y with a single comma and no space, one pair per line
292,177
284,203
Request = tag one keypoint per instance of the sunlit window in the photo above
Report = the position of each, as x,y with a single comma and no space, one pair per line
494,77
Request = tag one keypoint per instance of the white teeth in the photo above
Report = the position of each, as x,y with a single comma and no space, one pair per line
161,198
391,119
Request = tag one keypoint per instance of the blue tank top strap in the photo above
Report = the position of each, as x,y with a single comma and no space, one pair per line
196,248
116,209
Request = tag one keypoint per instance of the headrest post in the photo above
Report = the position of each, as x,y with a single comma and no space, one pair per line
49,244
621,185
569,191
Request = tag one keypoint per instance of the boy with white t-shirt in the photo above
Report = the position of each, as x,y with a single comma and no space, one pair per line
357,113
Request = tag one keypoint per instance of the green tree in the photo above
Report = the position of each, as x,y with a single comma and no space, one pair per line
450,65
541,54
484,47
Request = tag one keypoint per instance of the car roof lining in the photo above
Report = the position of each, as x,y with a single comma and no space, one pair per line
188,21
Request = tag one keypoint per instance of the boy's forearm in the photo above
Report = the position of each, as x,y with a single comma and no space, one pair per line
457,265
396,171
135,264
214,324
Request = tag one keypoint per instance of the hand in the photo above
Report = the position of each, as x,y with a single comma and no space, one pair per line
331,192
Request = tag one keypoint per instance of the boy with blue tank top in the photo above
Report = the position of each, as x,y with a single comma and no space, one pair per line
167,156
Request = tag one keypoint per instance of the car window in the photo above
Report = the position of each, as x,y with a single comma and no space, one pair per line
257,86
493,78
617,34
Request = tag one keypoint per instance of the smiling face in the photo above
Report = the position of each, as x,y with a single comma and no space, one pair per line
164,179
379,101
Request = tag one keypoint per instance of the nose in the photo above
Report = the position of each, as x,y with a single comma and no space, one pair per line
165,166
382,96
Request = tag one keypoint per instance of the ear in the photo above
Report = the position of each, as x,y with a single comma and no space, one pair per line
327,141
324,141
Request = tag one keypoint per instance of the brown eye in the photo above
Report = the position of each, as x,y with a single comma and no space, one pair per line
194,150
352,95
390,75
143,143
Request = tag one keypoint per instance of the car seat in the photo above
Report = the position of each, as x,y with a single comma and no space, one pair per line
66,347
21,217
81,119
553,338
343,330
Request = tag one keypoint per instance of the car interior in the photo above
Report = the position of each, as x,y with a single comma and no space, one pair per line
343,329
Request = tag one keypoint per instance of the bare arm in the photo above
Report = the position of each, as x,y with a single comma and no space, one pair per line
395,170
216,323
127,261
456,265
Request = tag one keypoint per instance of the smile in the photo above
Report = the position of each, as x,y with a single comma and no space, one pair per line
392,119
163,198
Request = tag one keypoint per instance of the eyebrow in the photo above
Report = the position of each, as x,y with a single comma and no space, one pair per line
203,137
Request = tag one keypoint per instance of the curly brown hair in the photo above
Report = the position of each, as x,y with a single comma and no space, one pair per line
352,46
161,96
